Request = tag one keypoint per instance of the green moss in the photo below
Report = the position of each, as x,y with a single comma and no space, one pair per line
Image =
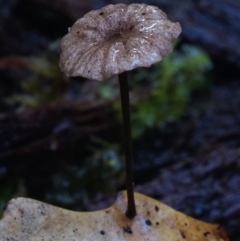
166,88
173,80
42,81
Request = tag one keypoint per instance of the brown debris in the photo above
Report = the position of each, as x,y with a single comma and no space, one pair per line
50,127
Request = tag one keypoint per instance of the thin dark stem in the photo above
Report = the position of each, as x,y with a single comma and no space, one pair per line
123,82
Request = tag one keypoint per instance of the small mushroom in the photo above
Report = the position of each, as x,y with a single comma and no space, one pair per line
112,41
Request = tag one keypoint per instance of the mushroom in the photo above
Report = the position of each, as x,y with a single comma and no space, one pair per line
112,41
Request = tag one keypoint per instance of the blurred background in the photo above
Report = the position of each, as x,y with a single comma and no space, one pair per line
61,138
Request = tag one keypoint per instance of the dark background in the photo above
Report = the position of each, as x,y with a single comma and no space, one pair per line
52,139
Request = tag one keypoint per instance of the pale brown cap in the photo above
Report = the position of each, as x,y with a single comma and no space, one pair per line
115,39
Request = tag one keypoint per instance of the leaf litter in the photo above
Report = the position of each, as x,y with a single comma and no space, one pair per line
30,220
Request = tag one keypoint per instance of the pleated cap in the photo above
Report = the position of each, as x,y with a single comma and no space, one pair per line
115,39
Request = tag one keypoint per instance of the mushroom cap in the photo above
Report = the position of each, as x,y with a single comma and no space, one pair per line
115,39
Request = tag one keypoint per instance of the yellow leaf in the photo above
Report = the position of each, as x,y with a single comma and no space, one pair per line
30,220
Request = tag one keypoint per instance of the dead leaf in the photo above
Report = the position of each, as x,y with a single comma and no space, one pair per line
30,220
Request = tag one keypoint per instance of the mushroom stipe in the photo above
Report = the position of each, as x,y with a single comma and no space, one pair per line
123,83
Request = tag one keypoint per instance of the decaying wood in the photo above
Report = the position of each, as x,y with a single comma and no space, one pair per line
211,24
50,127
